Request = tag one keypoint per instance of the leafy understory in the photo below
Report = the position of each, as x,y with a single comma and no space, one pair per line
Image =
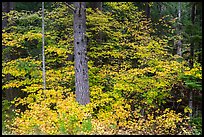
136,86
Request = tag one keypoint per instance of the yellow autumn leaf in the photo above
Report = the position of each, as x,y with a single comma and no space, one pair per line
179,100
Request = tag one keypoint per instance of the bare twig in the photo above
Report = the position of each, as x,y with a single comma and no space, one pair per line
72,8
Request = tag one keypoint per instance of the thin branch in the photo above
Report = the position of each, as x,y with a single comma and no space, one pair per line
72,8
43,49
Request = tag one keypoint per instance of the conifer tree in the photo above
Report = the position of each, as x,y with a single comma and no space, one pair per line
80,53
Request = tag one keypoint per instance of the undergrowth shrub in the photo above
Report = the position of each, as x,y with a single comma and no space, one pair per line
131,76
66,117
196,123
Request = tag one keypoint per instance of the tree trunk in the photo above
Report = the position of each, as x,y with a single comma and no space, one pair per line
80,53
200,54
159,6
10,93
6,7
179,43
192,43
179,49
147,10
191,58
191,103
43,49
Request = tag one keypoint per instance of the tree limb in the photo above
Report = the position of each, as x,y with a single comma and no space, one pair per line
72,8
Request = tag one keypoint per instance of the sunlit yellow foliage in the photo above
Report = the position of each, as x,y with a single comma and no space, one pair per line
130,75
40,119
196,71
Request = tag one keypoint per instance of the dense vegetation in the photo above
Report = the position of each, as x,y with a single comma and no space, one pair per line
138,84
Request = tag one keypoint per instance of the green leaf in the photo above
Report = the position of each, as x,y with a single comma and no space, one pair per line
86,125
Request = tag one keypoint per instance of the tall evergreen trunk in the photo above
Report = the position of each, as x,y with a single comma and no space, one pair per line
10,94
200,52
80,52
159,6
147,10
191,102
200,44
193,14
179,43
6,7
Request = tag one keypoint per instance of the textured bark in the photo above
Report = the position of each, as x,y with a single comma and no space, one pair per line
80,54
6,7
179,49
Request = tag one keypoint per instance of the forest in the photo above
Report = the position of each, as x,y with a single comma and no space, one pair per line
101,68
